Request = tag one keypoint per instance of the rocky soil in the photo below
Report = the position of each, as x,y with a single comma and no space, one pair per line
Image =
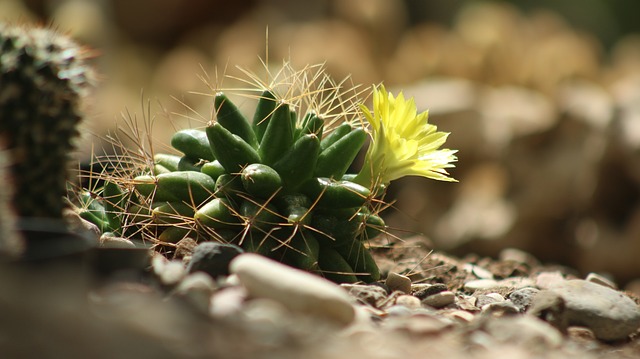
197,305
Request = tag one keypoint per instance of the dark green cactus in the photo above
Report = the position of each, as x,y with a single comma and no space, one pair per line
43,76
280,192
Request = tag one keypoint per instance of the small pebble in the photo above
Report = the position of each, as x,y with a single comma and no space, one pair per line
295,289
478,271
489,298
169,273
213,258
602,280
440,300
184,249
496,296
398,282
478,284
500,308
197,289
461,315
227,302
429,289
523,297
467,302
369,294
408,301
115,242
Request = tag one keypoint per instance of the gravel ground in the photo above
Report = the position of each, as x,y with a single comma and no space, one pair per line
430,304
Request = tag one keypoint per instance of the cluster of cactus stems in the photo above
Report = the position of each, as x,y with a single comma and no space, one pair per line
276,185
43,76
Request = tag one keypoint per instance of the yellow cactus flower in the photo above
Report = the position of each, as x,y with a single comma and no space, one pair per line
403,143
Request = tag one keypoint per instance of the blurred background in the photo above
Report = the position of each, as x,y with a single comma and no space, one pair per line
542,98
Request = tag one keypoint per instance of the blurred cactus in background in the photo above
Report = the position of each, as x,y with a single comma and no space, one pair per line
11,244
43,76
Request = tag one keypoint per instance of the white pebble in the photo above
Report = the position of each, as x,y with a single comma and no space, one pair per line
474,285
297,290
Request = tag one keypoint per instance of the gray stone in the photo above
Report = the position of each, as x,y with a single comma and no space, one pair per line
430,289
440,300
295,289
610,314
213,258
415,287
523,297
398,282
489,298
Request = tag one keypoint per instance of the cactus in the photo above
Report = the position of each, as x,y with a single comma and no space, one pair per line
43,76
257,183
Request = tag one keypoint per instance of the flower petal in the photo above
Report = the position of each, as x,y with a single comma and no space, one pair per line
403,142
